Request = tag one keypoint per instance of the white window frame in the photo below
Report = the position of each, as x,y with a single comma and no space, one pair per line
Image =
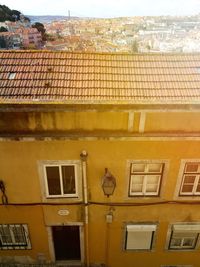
143,192
182,237
13,244
177,193
196,180
146,228
59,165
184,230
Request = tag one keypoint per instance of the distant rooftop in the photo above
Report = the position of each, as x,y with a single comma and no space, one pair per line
69,77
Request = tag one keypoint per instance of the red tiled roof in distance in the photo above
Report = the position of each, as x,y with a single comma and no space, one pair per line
49,76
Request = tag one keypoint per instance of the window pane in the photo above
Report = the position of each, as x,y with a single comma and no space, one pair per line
137,179
19,236
191,167
198,188
152,183
53,180
188,242
198,185
187,189
153,179
136,188
189,179
137,183
5,235
138,167
175,242
155,167
188,183
68,178
152,188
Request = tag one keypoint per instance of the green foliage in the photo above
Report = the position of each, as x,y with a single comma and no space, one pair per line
7,14
148,47
3,29
2,43
134,47
27,19
50,37
16,14
40,27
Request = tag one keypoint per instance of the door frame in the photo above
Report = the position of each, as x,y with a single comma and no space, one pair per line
51,242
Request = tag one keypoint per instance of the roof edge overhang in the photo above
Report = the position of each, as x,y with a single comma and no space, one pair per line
100,101
114,104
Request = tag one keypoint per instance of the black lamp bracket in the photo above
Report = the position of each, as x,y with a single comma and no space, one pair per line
4,198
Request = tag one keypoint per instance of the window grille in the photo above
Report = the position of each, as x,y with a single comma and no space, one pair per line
14,236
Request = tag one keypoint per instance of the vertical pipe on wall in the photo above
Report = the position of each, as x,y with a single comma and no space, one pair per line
109,219
83,157
107,245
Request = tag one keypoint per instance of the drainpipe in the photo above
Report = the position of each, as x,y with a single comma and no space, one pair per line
83,157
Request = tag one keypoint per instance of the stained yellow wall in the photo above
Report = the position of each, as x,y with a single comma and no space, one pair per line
62,121
19,163
94,121
19,170
172,122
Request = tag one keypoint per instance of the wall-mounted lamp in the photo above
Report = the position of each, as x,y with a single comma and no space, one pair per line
108,183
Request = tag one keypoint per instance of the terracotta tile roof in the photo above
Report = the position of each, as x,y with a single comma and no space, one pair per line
101,77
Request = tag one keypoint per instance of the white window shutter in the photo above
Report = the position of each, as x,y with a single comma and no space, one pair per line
139,240
139,236
187,228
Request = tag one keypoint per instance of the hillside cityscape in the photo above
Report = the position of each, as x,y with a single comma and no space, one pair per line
131,34
125,34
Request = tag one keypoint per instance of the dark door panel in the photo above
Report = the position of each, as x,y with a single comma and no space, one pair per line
66,242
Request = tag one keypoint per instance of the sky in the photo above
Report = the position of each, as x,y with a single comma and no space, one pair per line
105,8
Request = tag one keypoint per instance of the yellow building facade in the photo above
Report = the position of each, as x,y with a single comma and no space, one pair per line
53,156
